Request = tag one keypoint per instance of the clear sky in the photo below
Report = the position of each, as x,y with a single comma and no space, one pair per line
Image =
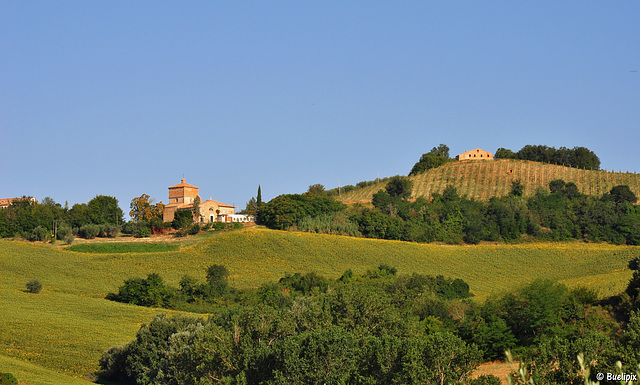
122,98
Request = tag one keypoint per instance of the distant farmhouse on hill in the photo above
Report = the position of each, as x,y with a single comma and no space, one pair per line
5,202
182,197
476,154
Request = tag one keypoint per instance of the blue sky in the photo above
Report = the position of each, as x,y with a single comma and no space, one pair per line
123,98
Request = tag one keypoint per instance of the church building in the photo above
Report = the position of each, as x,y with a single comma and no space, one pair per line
182,197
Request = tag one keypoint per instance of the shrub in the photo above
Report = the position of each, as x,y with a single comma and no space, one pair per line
218,226
143,232
34,286
131,227
64,231
39,234
7,378
69,240
89,231
194,229
109,230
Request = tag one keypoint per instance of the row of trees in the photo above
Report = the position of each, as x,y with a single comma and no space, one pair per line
380,328
39,221
560,212
579,157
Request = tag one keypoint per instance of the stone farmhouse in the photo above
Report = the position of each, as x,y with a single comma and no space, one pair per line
182,196
476,154
5,202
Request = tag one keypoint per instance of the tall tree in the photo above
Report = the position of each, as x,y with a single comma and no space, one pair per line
195,209
105,209
399,186
259,197
143,210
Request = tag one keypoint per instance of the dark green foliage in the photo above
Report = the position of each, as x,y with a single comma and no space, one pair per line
143,232
399,186
64,232
182,219
434,158
89,231
517,188
194,229
332,223
286,210
217,276
103,209
34,286
556,358
7,379
40,234
144,292
305,284
504,153
622,194
377,328
579,157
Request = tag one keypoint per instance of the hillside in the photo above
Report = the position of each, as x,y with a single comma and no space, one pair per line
482,180
67,326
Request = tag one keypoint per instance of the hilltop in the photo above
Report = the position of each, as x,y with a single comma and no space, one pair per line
482,180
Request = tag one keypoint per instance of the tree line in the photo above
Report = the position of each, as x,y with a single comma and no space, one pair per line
48,220
376,328
557,213
100,217
578,157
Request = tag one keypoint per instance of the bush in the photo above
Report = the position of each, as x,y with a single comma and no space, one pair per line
7,378
143,232
89,231
39,234
69,240
110,230
218,226
194,229
132,227
64,231
34,286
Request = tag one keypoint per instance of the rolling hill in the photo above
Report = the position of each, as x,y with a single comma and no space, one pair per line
58,335
482,180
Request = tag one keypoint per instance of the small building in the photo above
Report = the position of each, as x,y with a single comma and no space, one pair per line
183,195
476,154
6,202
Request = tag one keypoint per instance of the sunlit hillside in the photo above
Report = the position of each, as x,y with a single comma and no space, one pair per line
64,329
485,179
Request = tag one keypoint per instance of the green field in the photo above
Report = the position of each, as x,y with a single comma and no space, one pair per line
124,247
58,335
485,179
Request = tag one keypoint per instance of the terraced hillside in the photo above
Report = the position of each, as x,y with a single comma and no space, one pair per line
58,335
485,179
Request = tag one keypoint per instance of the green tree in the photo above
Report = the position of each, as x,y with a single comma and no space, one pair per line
517,188
399,186
103,209
316,190
504,153
195,209
623,194
217,276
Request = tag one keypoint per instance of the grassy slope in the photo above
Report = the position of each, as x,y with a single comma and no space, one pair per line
68,325
484,179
